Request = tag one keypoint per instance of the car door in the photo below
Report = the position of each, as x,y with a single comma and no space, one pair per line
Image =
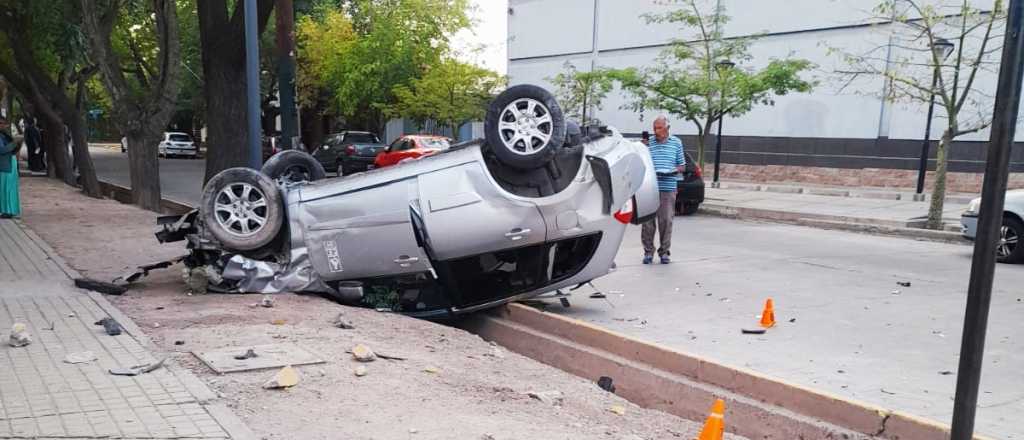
389,156
465,213
364,234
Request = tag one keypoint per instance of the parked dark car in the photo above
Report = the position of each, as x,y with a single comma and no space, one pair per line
349,152
690,190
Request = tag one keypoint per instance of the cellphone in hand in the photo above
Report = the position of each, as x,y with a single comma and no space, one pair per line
645,135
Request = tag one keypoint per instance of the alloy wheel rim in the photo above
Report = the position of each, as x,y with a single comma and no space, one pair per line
1008,238
241,209
525,126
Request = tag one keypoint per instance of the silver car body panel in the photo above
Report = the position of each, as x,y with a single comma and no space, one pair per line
396,220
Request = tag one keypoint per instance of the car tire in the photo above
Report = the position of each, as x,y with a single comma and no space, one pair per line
520,140
1010,252
242,208
293,166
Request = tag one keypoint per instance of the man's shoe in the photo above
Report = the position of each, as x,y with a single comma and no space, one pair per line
665,259
648,259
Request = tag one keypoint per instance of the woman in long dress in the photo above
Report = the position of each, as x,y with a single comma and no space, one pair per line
10,205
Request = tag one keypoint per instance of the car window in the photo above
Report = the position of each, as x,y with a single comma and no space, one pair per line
434,143
179,138
396,145
361,138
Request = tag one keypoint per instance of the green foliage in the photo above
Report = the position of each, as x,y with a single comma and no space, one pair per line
688,82
377,46
451,92
581,92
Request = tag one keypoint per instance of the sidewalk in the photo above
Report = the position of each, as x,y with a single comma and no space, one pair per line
864,209
41,396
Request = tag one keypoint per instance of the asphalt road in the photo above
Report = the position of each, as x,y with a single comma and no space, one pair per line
180,179
844,325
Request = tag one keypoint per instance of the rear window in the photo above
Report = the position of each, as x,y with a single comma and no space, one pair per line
433,143
361,138
179,138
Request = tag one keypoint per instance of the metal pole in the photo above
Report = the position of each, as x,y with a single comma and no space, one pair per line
252,85
718,150
923,166
990,218
285,21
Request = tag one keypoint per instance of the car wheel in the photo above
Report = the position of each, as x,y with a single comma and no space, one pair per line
291,166
1009,250
524,126
242,208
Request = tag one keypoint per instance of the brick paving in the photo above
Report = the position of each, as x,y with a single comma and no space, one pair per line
42,397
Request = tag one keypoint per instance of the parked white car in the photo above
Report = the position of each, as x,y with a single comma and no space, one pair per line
177,144
1008,250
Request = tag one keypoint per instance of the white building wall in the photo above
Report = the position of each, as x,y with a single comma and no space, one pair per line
544,34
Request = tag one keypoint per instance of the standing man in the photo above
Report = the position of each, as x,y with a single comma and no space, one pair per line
669,161
34,143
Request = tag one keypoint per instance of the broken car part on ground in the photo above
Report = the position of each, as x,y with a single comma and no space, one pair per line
536,206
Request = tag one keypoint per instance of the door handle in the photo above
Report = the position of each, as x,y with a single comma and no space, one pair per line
517,234
406,261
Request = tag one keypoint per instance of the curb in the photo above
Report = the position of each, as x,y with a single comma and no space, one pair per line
227,419
859,192
123,194
852,224
658,377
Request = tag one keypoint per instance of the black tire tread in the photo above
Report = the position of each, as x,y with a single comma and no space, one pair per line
275,209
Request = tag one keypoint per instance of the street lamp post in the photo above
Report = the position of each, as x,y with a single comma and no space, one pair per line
942,49
723,65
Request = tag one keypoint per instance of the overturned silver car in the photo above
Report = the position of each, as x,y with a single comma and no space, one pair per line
536,206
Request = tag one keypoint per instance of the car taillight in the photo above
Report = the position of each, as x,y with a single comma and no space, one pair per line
697,171
625,214
350,150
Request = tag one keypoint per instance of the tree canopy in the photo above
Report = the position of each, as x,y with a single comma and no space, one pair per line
451,92
703,76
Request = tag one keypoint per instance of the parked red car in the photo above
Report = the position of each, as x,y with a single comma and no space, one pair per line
411,146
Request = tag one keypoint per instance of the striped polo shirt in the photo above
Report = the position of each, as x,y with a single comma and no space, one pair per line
667,156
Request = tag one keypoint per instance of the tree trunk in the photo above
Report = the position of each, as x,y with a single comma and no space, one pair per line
75,118
701,140
145,167
939,190
226,131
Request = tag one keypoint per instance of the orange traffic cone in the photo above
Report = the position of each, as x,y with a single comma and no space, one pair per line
714,427
768,315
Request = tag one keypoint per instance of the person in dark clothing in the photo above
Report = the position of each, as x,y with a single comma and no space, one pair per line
34,144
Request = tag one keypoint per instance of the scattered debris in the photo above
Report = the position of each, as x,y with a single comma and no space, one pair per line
249,354
287,377
753,331
946,373
792,319
100,286
938,333
553,398
390,357
496,353
904,283
51,326
487,437
841,371
137,369
156,325
363,353
179,342
79,357
342,323
110,326
598,295
267,301
71,315
896,292
606,384
431,370
19,335
278,322
143,270
360,371
888,392
413,430
618,409
160,308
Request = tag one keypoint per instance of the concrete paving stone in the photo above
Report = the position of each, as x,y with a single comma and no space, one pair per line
5,428
24,428
50,426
